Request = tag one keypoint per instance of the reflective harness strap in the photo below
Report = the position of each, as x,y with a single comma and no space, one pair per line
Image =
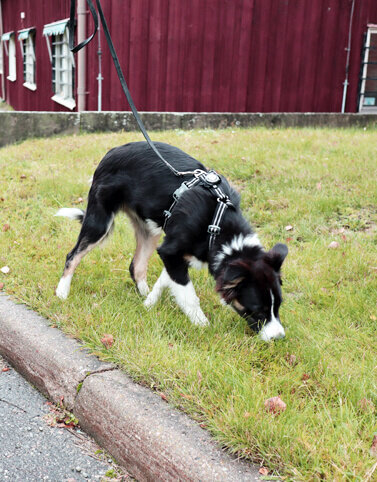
214,228
178,193
209,180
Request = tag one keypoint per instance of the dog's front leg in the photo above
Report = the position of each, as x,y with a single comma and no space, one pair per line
182,289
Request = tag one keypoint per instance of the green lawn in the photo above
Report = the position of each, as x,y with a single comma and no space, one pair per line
321,182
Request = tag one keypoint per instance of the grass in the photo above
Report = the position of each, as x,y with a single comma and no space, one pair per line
4,106
323,184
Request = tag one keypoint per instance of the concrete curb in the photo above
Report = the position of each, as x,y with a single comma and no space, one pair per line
151,439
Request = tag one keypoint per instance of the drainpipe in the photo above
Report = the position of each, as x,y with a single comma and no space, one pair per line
81,56
345,83
99,77
1,46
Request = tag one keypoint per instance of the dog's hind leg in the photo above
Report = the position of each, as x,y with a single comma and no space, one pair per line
145,245
147,237
96,226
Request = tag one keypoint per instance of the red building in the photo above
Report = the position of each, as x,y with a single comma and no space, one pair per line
194,55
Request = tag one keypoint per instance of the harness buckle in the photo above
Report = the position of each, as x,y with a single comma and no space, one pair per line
213,229
224,199
178,192
167,214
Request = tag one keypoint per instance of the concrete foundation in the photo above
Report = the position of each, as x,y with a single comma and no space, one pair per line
17,126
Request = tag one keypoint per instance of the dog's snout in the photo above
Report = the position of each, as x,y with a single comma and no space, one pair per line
273,330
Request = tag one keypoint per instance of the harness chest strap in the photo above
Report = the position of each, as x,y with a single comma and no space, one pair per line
210,181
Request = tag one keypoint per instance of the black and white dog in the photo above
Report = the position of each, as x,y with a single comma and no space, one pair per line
131,178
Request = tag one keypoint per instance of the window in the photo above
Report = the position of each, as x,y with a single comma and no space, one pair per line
62,63
11,52
368,85
27,42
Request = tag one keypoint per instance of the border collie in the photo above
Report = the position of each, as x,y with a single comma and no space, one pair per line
131,178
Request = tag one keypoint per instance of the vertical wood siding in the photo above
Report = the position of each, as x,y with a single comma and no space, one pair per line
208,55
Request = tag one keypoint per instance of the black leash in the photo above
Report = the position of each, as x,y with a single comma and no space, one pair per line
210,180
123,83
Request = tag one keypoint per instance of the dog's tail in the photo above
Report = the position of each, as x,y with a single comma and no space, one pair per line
71,213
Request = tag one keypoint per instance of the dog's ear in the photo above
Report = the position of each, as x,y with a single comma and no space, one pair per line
276,256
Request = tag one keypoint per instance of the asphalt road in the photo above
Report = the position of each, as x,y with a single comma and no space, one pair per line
31,449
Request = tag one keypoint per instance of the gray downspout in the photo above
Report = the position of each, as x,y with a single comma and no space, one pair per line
345,83
1,46
81,56
99,77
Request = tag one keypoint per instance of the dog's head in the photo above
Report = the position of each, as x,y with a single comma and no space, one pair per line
249,281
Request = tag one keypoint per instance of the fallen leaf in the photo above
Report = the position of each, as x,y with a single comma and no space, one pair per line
5,269
289,228
6,227
373,317
107,340
263,471
305,377
373,449
23,176
333,245
1,286
247,414
275,405
6,369
187,397
163,396
288,240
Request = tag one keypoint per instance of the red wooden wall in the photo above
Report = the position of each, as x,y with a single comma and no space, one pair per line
209,55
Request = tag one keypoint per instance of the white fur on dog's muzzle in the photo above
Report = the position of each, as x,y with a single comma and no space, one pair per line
272,330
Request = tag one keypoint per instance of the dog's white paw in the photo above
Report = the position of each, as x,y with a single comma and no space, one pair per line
143,288
197,317
62,291
150,301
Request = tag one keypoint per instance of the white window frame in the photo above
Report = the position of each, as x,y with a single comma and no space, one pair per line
29,60
12,64
63,65
372,30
